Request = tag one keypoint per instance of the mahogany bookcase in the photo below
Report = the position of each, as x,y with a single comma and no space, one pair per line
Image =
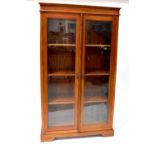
78,70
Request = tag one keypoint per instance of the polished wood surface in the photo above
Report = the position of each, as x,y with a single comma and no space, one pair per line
97,45
50,136
96,73
95,99
62,73
67,100
68,60
81,9
61,45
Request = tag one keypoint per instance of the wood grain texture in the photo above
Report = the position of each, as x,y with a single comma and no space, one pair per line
62,73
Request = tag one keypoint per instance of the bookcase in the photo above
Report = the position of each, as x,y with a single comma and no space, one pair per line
78,70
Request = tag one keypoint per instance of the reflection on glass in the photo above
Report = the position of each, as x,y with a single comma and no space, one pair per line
61,59
61,45
61,31
97,86
95,113
97,59
95,99
60,87
60,101
60,115
98,46
98,32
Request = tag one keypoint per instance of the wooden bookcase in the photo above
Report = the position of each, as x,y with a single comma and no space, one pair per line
78,70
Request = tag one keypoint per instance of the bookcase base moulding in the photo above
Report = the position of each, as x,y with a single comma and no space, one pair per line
52,136
78,49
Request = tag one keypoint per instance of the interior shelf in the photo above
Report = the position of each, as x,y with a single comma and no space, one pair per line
62,44
62,73
70,100
97,72
95,99
61,100
98,45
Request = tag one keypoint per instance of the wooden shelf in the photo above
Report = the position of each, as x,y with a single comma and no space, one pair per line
96,73
62,73
62,45
87,45
95,99
70,100
98,45
63,100
72,73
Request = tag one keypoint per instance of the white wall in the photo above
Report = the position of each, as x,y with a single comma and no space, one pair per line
20,110
115,3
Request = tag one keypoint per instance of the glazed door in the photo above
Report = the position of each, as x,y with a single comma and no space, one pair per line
96,69
60,69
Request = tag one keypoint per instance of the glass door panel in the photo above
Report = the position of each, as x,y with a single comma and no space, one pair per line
96,72
61,72
61,88
95,100
60,115
97,60
61,46
95,113
96,87
98,33
97,48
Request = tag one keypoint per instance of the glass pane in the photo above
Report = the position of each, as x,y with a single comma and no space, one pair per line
60,115
61,88
98,46
98,32
97,59
61,45
95,113
61,71
95,99
60,100
61,59
61,31
96,86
